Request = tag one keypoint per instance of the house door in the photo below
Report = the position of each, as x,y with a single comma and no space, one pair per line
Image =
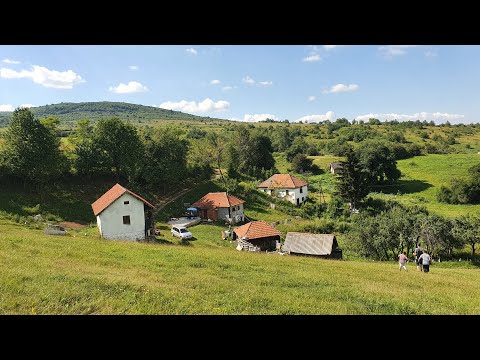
298,201
204,214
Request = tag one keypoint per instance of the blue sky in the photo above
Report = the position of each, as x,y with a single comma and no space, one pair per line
250,83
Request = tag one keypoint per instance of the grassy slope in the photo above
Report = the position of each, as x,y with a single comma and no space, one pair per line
423,175
87,275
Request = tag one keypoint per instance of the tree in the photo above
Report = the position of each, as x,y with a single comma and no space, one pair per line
353,182
301,163
379,162
467,230
31,150
165,159
121,145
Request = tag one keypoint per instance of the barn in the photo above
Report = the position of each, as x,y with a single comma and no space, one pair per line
336,168
322,245
123,215
259,234
220,206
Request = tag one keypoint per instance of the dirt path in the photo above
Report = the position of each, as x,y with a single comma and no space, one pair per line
162,202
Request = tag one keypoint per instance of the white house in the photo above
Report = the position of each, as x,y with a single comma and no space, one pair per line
123,215
287,187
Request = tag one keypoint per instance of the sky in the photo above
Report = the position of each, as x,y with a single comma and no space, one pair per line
253,82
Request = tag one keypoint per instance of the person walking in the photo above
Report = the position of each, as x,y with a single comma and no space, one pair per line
402,261
417,253
425,258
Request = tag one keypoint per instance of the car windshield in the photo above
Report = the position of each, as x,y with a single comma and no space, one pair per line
183,230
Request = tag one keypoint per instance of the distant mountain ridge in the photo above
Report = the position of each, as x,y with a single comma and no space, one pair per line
71,112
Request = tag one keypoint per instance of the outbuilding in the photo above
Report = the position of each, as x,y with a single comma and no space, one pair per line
322,245
259,234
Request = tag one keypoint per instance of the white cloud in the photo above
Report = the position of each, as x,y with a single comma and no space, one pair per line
248,80
256,117
228,87
316,118
330,47
312,58
390,51
191,51
7,107
265,83
45,77
438,117
131,87
338,88
430,53
194,107
133,67
9,61
215,82
311,98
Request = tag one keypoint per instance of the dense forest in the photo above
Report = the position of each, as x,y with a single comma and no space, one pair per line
71,112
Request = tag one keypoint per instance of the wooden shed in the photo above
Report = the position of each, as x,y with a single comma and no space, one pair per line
259,234
322,245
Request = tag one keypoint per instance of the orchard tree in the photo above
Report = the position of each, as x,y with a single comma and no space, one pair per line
467,230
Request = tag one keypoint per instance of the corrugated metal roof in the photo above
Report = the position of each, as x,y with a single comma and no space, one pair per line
111,195
217,200
283,181
310,244
256,230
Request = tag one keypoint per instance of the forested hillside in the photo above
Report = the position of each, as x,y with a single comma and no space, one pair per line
71,112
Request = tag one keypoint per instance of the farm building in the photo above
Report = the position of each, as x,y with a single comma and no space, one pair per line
324,245
258,233
287,187
220,206
336,168
123,215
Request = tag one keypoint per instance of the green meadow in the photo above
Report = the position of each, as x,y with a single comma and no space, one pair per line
83,274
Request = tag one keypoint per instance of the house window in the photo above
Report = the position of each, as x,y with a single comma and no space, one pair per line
301,190
126,220
126,202
286,192
302,198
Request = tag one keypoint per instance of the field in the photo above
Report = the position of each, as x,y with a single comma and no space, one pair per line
422,177
79,274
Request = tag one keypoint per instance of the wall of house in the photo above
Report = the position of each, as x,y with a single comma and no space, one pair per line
110,221
293,194
223,213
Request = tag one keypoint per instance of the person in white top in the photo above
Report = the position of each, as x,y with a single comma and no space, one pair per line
425,261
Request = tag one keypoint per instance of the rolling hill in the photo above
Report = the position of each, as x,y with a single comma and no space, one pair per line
71,112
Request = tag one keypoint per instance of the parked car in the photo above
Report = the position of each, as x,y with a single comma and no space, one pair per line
181,232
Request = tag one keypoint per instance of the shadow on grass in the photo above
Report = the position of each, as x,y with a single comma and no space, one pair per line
404,187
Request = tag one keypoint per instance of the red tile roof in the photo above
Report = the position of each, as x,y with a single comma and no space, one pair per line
111,195
217,200
283,181
256,230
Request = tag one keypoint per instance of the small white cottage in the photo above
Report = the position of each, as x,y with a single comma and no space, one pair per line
287,187
123,215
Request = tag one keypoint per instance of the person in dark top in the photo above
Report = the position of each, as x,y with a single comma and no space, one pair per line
417,253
